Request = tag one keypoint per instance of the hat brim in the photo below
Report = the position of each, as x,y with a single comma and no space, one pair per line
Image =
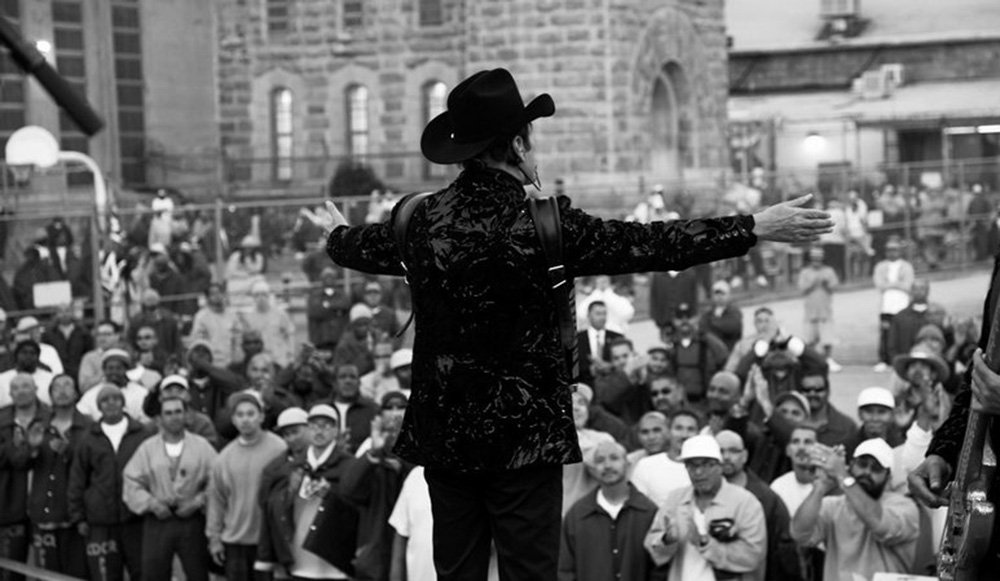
901,362
439,146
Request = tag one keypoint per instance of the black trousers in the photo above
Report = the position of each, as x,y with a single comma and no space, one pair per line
113,549
61,550
14,543
884,324
239,562
519,510
184,537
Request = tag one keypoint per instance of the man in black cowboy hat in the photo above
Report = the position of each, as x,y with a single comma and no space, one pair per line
490,414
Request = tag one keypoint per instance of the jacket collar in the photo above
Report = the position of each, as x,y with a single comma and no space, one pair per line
492,182
633,501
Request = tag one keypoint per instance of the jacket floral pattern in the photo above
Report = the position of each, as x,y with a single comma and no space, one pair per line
490,390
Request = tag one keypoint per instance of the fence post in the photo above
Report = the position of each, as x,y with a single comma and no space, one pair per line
907,212
963,243
220,259
348,208
95,268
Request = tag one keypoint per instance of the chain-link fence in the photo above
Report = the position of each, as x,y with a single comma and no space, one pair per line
944,216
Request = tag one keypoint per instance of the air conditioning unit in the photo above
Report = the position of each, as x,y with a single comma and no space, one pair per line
872,85
894,74
830,9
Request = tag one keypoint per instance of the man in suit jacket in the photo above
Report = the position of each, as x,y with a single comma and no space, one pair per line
594,342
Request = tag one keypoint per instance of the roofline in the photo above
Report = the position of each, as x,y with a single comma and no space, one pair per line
866,44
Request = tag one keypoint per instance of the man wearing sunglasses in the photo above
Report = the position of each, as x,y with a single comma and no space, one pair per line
832,425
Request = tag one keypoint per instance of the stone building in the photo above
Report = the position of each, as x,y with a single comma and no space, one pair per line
639,85
862,86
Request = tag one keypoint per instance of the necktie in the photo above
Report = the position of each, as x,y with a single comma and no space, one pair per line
600,345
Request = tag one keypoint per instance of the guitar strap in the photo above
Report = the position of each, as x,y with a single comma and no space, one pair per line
548,226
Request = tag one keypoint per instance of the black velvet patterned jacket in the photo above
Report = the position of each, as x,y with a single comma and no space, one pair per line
490,390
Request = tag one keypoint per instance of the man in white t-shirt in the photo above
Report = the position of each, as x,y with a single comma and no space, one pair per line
657,475
893,277
795,485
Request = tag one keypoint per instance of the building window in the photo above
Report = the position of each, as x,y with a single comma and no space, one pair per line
357,120
431,12
282,136
435,102
354,13
12,89
126,35
68,36
278,21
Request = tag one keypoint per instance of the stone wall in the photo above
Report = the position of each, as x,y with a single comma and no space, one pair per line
598,58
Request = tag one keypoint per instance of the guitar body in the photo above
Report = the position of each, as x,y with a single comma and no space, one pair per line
968,533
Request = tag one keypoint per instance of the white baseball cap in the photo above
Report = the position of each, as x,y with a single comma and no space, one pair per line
701,447
876,396
323,410
401,358
877,448
293,416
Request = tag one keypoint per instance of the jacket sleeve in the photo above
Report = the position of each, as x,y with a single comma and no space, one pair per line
567,552
594,246
661,552
79,469
369,248
216,503
136,481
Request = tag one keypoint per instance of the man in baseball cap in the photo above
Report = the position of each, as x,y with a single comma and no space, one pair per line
869,528
695,528
875,410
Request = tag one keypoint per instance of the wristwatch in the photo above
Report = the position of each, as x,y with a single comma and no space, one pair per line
848,482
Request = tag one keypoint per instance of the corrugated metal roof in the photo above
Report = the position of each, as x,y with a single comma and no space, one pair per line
930,101
788,24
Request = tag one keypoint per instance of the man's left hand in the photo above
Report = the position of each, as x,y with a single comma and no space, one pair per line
331,219
985,386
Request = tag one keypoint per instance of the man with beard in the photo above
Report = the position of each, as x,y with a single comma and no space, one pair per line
867,529
782,559
115,363
165,482
602,533
875,410
695,355
658,475
356,410
710,529
26,362
58,546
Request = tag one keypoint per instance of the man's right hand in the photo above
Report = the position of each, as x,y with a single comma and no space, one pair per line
217,551
160,509
928,480
789,222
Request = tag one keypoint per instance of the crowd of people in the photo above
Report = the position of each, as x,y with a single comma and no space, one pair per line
239,450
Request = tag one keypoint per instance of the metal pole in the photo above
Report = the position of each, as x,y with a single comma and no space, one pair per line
95,266
962,216
220,260
348,209
100,186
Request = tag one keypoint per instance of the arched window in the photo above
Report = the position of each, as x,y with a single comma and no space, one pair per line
281,134
435,100
671,124
357,120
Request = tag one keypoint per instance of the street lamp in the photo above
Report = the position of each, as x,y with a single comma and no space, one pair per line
35,147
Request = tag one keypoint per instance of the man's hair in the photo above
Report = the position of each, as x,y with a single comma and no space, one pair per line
654,415
766,310
685,412
802,427
501,150
73,379
620,341
665,379
588,459
596,304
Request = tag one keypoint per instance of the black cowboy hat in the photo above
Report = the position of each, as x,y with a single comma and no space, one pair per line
481,108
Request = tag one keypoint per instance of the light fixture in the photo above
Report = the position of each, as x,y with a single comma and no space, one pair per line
814,143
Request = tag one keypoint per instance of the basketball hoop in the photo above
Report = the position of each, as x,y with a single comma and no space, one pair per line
32,145
22,173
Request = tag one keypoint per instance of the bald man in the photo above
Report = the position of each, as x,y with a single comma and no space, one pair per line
782,559
653,437
602,533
